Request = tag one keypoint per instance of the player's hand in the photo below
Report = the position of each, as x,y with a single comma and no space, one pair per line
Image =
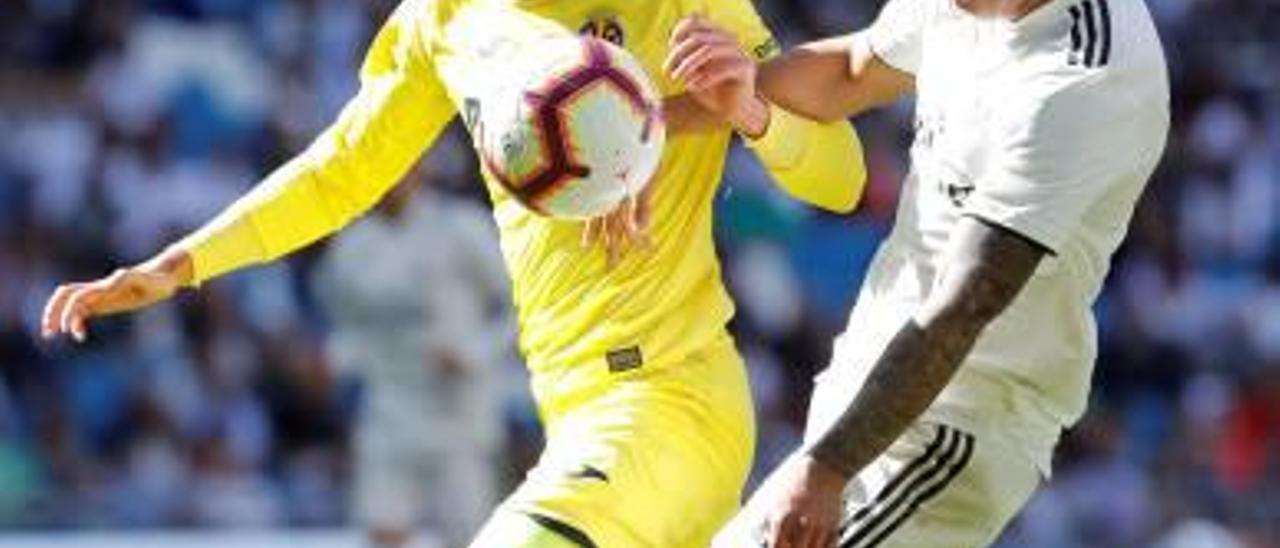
718,73
72,305
806,510
623,229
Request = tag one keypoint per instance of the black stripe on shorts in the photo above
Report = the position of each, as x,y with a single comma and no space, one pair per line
935,470
569,532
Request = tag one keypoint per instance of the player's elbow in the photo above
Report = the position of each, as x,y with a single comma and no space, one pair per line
849,178
842,202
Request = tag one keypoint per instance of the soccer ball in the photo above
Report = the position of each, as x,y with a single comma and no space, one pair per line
574,131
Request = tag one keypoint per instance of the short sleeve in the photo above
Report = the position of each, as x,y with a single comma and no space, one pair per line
740,18
1054,161
897,33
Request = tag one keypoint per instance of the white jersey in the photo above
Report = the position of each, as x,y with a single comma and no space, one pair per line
1050,127
402,292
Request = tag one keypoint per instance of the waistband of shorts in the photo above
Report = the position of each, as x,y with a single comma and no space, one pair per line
564,389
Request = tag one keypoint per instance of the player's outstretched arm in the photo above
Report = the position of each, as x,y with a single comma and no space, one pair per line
986,270
832,79
399,110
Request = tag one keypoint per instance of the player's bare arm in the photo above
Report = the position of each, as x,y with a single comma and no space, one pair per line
832,79
987,268
826,80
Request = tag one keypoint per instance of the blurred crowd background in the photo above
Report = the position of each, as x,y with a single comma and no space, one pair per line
128,122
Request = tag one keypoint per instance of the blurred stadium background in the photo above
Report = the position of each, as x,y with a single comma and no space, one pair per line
222,419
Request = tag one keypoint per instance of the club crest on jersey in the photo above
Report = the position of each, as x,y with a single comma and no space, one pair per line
604,27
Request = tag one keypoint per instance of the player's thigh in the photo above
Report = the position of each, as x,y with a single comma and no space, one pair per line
515,530
938,486
651,464
935,486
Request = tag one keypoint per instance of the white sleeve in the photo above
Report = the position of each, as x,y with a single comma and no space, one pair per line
895,37
1055,158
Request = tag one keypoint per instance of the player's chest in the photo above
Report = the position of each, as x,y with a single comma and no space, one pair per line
484,43
963,81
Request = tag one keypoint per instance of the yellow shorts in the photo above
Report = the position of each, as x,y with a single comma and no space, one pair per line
655,458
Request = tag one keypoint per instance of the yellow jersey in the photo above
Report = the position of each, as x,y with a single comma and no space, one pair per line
580,320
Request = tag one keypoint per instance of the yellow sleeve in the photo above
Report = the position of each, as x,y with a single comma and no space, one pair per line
400,109
815,162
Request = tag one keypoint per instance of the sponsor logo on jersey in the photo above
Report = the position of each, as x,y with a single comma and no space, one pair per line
624,359
767,49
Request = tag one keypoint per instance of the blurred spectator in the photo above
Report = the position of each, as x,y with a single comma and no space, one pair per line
417,295
129,121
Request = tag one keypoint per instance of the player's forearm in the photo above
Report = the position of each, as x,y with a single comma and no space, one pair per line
987,269
173,264
286,212
915,367
831,79
820,163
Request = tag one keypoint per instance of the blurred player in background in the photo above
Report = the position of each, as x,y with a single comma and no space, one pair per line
649,425
416,295
1038,123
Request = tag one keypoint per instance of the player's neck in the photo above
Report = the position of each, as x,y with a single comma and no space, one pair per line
1011,10
1017,9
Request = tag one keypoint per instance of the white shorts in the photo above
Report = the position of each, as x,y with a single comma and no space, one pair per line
937,486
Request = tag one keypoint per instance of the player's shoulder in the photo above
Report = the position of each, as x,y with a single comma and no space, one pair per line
1083,111
1071,49
1075,77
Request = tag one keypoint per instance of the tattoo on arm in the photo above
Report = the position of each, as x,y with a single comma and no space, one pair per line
987,268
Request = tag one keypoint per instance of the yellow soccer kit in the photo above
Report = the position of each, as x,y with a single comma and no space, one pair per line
647,408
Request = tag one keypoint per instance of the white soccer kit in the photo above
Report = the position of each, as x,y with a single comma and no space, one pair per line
402,292
1050,127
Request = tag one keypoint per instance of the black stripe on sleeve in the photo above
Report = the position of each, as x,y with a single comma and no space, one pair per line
1091,35
854,537
1104,15
1075,32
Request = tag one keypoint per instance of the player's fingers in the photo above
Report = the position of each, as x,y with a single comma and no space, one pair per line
49,320
693,42
780,533
87,300
613,242
626,236
72,318
638,223
679,52
721,73
687,26
590,232
694,25
644,213
807,535
699,58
